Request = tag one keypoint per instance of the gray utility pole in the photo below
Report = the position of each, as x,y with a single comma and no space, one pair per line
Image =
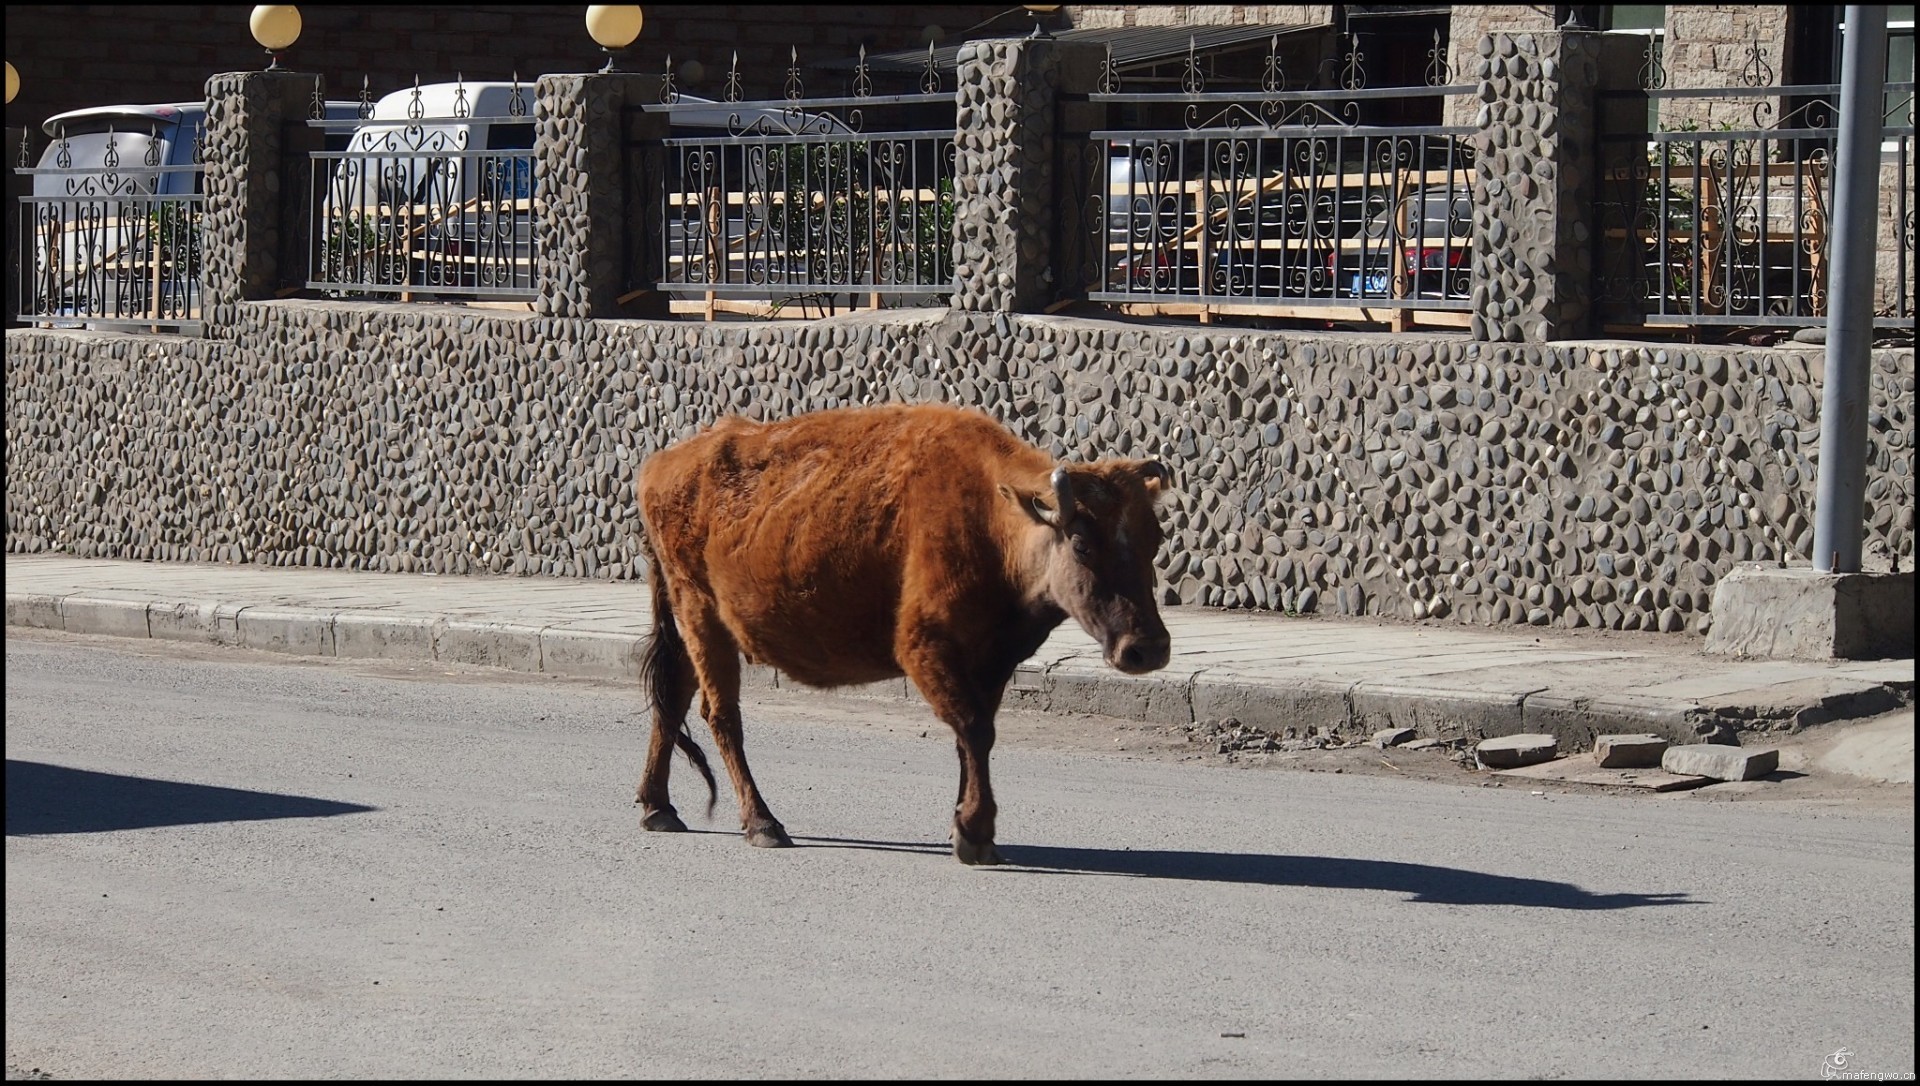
1839,503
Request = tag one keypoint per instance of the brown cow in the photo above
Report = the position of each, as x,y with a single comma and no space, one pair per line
860,544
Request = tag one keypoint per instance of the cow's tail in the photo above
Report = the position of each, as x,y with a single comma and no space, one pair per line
666,669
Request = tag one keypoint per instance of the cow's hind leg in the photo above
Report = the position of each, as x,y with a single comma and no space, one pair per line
667,675
716,660
669,724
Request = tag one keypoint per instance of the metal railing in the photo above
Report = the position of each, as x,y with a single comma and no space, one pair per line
413,207
759,205
111,246
1278,202
1728,226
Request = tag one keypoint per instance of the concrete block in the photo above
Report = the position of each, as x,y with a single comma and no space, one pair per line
304,633
490,644
1509,751
1392,737
226,622
384,637
1722,763
1377,705
183,621
113,618
1272,707
1151,698
1027,690
1628,751
1578,718
1805,614
38,611
590,654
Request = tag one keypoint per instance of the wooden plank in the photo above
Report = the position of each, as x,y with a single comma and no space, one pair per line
1443,318
1315,183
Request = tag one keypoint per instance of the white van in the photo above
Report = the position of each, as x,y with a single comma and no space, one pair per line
433,192
114,214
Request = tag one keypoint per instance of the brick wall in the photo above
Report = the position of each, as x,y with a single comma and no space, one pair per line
97,54
1713,45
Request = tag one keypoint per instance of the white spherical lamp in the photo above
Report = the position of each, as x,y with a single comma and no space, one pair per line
613,27
275,27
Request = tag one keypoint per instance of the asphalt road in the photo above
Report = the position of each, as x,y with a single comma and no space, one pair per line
222,864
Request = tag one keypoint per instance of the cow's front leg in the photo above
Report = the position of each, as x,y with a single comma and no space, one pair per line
961,703
974,813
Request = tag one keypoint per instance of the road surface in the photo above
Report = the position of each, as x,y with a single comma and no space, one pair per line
228,864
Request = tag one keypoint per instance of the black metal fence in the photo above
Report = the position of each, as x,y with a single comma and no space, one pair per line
1728,224
113,245
427,206
816,203
1279,202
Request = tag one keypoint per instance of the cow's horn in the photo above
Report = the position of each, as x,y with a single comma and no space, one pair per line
1062,497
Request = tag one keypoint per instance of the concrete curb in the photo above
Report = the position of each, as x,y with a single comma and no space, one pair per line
1072,684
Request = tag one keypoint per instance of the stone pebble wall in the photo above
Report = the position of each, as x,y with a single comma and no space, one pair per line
1572,484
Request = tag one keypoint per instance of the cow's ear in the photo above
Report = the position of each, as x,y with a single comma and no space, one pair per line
1155,477
1032,504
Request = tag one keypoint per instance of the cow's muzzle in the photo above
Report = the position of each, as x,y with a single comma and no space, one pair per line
1139,654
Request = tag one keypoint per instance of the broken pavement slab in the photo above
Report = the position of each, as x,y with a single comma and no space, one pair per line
1392,737
1720,761
1628,751
1510,751
1584,769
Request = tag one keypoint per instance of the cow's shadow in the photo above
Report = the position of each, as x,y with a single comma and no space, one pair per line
1421,882
44,799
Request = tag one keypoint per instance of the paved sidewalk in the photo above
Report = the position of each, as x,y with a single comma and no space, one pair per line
1269,671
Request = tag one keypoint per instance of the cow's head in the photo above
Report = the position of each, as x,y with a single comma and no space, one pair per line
1096,561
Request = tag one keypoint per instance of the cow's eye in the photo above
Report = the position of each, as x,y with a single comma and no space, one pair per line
1082,548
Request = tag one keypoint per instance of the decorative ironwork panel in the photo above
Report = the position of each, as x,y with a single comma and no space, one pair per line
117,245
1279,197
1730,226
410,207
797,199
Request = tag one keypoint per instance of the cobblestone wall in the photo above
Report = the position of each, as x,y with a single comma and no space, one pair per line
1572,484
1567,483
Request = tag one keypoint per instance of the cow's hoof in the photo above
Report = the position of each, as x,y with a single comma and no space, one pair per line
664,820
981,855
772,835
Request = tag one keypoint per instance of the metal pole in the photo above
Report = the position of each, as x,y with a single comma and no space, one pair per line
1839,503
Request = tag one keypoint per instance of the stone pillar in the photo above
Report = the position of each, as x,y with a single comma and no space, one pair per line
590,218
255,136
1006,206
1532,227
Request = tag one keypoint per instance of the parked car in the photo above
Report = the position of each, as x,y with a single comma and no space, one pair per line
114,215
1436,247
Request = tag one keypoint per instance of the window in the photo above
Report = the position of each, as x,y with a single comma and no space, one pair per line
1899,65
1898,105
1650,21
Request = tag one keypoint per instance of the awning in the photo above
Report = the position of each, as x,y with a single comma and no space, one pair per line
1131,44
